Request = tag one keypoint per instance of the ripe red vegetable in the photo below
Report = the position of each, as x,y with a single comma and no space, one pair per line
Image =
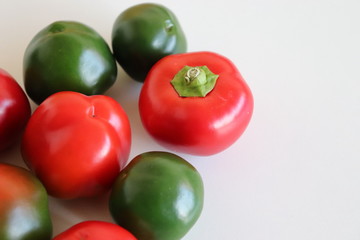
14,110
197,103
77,144
95,230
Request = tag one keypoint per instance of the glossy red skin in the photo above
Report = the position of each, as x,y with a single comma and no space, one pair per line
15,110
77,144
195,125
95,230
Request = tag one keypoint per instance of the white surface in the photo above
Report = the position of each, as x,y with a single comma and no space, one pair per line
295,173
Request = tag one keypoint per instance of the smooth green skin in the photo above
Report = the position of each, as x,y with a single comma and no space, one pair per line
142,35
68,56
24,213
158,196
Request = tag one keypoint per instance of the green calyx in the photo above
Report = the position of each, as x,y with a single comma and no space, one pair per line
194,81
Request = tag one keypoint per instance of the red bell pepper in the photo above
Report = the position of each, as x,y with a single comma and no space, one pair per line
197,103
77,144
14,110
95,230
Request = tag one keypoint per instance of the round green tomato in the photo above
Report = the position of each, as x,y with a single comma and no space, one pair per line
24,212
68,56
158,196
142,35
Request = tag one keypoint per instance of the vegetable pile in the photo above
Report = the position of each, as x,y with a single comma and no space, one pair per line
76,143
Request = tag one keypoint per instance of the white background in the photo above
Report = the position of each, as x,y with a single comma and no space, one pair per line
295,172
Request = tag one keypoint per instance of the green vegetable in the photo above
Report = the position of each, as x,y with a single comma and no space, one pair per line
68,56
142,35
158,196
24,213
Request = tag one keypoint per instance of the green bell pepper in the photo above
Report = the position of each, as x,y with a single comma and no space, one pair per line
68,56
24,213
142,35
158,196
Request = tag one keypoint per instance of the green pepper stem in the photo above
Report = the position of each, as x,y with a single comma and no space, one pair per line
191,74
194,81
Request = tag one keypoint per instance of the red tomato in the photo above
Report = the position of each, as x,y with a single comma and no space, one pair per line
95,230
195,125
14,110
77,144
